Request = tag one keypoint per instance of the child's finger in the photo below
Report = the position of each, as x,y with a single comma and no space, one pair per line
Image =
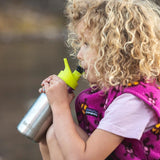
47,80
46,86
54,79
41,90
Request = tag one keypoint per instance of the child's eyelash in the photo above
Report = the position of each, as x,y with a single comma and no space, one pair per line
85,43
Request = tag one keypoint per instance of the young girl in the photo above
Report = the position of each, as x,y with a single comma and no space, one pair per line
118,44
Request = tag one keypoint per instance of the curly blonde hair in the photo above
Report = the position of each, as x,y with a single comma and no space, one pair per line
126,33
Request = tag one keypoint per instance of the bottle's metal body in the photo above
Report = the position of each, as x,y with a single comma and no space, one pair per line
37,120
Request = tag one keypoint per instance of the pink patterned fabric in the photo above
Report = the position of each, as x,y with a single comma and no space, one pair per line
90,108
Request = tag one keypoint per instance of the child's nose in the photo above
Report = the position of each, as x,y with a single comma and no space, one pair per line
79,55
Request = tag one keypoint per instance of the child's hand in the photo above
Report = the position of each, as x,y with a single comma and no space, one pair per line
56,91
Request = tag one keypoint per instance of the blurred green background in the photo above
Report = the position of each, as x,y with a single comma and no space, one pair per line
32,46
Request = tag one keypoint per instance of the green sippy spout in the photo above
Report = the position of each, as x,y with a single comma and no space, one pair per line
71,79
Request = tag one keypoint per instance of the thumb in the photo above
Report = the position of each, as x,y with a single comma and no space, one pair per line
71,97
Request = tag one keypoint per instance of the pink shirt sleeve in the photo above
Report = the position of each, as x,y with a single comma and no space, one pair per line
128,116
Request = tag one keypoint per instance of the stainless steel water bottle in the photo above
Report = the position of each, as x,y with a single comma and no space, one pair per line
39,117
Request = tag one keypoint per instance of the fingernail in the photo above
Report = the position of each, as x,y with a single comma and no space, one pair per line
40,90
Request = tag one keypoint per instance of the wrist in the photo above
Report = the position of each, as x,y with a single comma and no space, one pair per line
60,107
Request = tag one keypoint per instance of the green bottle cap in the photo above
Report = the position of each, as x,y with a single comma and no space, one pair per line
71,79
